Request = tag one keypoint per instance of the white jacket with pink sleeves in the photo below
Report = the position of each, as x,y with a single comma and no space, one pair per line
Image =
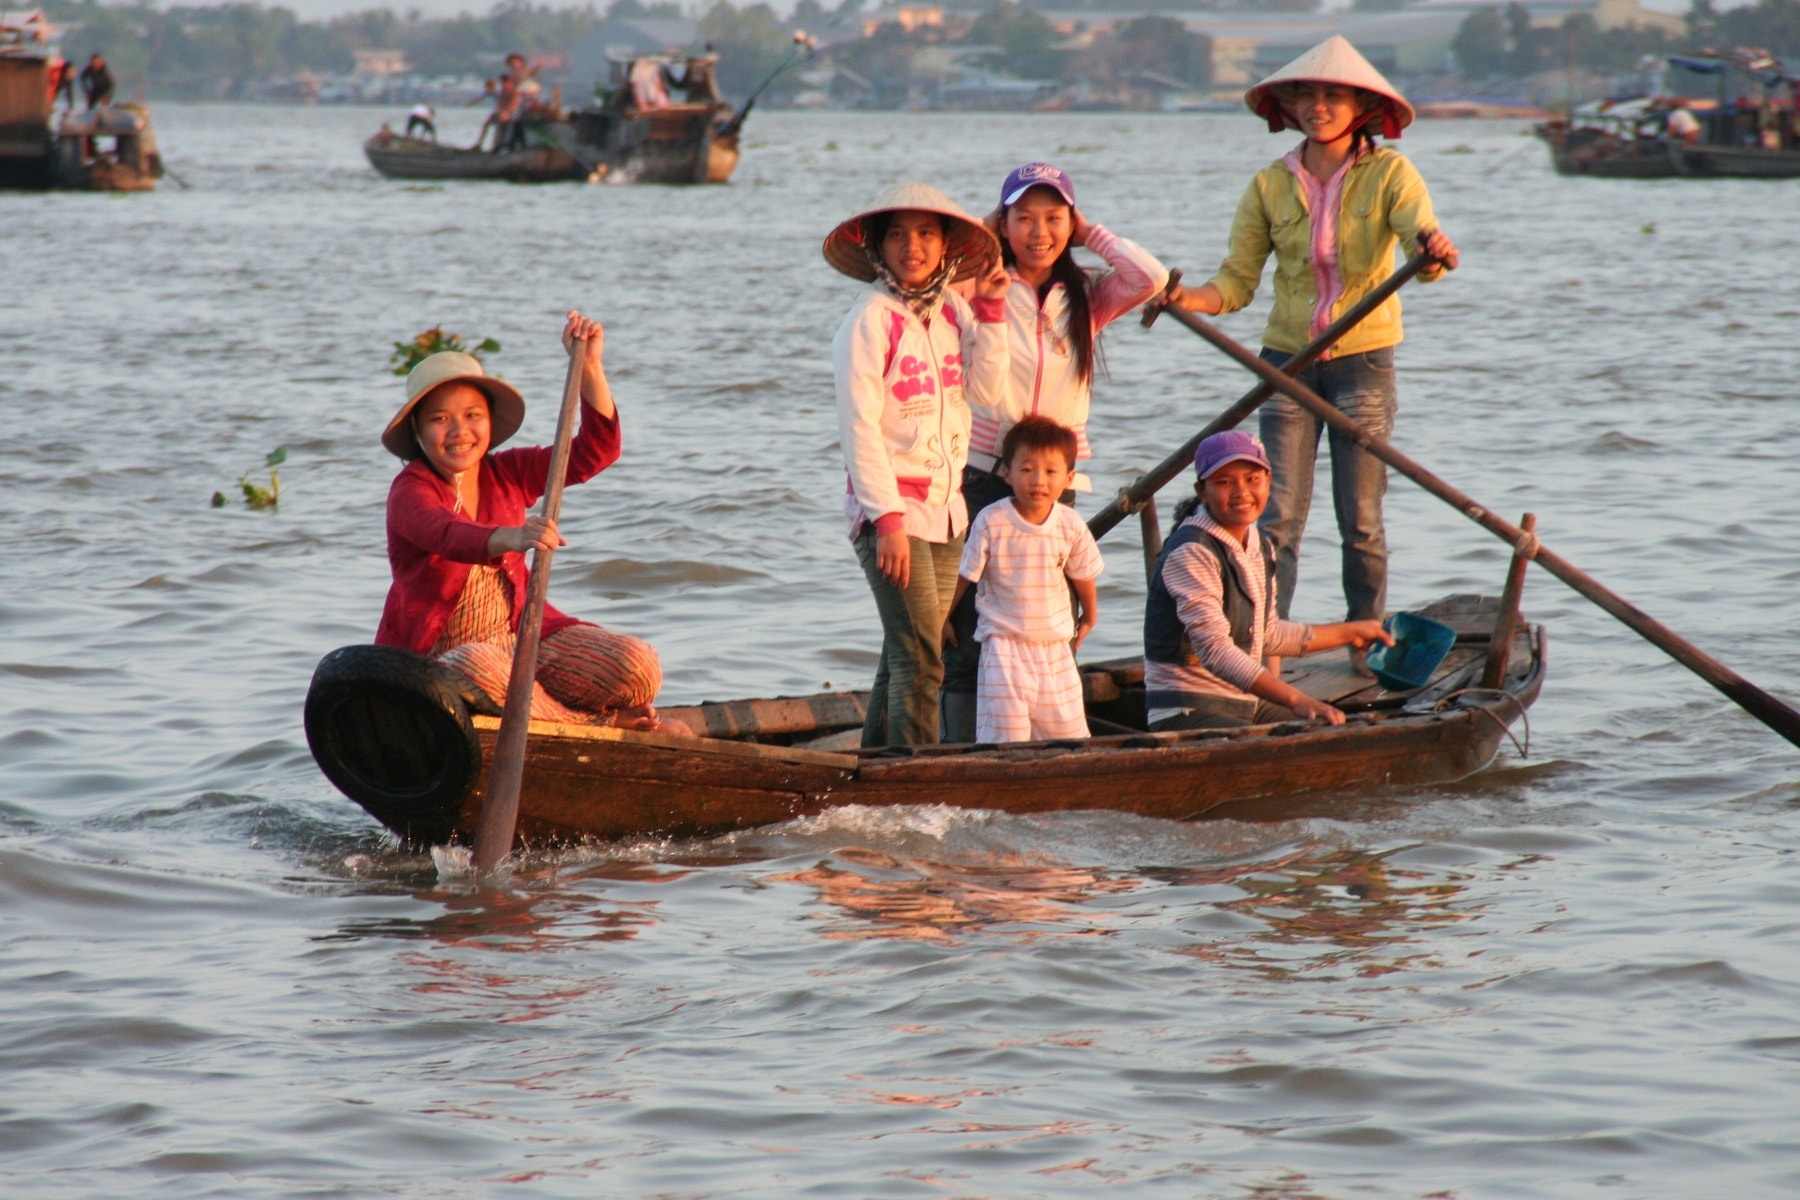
1044,380
903,396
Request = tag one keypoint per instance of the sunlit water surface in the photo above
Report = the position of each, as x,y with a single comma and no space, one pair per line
1573,975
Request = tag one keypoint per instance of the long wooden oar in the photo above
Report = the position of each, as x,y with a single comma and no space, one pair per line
1746,695
500,810
1131,499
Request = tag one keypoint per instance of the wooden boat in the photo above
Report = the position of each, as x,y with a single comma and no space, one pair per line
1629,139
1613,153
691,141
398,156
396,734
109,148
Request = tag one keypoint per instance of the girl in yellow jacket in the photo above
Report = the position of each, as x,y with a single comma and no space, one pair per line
1332,211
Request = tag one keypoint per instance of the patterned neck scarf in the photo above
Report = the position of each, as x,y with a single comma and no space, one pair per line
923,299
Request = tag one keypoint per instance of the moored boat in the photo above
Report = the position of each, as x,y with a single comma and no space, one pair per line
110,147
412,744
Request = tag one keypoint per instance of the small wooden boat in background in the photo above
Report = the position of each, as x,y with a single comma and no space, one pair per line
396,733
691,141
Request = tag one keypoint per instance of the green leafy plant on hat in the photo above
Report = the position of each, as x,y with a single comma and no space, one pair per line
407,355
255,495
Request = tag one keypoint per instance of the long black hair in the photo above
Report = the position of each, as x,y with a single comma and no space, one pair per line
1078,325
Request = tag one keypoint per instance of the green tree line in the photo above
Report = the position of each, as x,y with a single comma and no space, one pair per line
1501,41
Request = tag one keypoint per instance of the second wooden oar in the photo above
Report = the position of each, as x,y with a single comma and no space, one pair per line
500,807
1132,498
1746,695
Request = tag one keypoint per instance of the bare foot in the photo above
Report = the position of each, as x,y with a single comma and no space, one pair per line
643,719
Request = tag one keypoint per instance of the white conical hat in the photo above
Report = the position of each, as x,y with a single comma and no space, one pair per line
1333,60
964,237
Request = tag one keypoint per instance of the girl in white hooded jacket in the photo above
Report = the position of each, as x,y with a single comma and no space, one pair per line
910,358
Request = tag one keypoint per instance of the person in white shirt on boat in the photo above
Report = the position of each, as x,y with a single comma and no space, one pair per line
1029,552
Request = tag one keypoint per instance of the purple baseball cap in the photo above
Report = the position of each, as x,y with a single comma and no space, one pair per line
1032,175
1234,445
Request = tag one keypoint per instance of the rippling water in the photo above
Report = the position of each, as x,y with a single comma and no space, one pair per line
1570,976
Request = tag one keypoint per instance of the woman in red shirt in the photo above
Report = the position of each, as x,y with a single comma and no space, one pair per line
458,531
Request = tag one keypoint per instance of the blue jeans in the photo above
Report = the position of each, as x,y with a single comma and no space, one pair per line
1361,386
903,703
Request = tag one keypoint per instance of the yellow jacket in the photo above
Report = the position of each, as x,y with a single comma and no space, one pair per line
1384,202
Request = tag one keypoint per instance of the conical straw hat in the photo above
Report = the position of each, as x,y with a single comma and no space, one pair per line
1333,60
965,237
506,408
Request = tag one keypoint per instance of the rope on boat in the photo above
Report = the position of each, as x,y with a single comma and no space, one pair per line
1524,713
1527,545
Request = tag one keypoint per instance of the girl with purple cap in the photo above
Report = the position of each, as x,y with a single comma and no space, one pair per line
1211,619
1332,211
1055,311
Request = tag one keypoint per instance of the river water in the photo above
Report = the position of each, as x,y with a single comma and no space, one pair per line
1572,975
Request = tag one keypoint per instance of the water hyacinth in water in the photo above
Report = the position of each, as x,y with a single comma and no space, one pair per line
1569,976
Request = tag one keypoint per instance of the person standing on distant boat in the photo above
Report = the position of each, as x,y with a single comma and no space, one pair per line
508,118
458,531
1332,211
423,118
910,358
97,81
1055,311
62,83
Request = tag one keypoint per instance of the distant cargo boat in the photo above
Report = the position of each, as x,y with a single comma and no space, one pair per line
107,148
1644,137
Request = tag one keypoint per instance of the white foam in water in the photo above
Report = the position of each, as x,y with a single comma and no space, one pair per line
453,862
932,820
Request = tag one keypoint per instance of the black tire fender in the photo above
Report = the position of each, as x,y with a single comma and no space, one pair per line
391,730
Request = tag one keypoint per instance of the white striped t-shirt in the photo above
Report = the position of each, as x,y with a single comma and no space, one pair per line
1024,571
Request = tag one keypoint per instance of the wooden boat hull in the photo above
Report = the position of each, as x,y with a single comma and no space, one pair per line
400,157
1597,152
755,768
675,145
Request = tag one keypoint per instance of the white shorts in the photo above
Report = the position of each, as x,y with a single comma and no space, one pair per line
1028,692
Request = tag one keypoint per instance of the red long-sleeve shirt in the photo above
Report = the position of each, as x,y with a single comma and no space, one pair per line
431,546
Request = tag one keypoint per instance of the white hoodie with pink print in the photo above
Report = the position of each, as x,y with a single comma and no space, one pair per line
903,396
1044,379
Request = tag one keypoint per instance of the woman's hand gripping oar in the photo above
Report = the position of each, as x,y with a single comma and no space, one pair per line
1746,695
500,808
1131,499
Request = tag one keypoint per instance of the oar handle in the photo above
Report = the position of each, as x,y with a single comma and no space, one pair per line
506,772
1746,695
1132,498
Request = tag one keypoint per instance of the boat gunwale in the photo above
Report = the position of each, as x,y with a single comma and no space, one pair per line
877,762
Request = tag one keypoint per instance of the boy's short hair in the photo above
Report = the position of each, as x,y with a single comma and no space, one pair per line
1039,433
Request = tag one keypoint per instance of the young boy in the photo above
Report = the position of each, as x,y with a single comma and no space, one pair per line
1211,618
1028,554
